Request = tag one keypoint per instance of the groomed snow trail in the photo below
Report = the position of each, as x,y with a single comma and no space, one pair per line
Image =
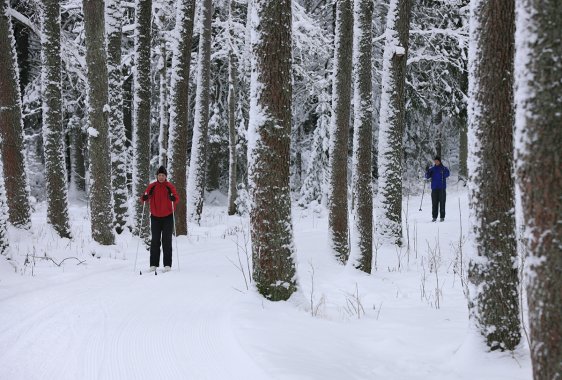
116,324
102,320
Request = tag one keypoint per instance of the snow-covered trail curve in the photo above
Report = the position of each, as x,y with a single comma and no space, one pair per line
117,325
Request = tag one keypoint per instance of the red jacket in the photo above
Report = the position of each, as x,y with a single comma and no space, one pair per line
159,198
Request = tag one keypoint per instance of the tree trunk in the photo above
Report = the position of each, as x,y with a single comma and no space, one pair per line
163,111
463,130
197,163
339,131
232,100
98,114
493,301
4,243
179,103
538,74
141,112
363,135
53,135
116,124
11,126
269,149
78,168
391,126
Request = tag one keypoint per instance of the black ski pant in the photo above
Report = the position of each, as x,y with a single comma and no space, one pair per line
161,229
438,197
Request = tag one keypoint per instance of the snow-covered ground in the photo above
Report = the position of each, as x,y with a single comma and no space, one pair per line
101,319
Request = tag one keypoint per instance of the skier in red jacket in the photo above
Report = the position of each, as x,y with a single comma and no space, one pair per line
163,199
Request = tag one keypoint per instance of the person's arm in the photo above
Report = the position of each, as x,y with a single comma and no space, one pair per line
173,194
428,172
147,193
447,172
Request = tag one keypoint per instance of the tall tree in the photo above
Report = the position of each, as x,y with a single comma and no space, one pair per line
268,149
538,83
53,134
197,163
391,125
363,134
97,113
232,81
116,125
339,131
493,302
141,109
163,106
11,125
179,99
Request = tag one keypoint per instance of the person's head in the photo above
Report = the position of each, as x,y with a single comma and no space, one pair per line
437,160
161,174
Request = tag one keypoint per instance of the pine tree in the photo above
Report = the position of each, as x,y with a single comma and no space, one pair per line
141,109
11,126
363,134
232,81
268,149
116,125
538,83
493,301
391,125
197,163
100,156
339,131
179,99
163,114
315,185
53,135
4,243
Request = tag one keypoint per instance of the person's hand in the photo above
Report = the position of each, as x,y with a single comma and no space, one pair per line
172,197
427,168
145,197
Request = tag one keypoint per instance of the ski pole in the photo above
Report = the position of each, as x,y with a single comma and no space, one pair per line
175,235
423,192
140,232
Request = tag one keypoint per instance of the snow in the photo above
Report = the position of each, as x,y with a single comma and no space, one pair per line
93,132
101,319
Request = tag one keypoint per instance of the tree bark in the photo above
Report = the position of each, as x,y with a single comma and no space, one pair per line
141,111
269,149
363,135
11,126
339,132
232,100
179,103
116,124
98,114
197,163
163,111
53,135
493,300
538,74
392,118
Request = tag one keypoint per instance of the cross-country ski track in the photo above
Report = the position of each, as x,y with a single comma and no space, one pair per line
103,320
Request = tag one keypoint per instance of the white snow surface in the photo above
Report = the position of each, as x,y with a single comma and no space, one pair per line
102,320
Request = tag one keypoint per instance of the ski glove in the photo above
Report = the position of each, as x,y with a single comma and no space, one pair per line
145,197
172,197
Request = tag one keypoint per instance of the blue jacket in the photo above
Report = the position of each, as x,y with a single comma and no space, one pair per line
438,175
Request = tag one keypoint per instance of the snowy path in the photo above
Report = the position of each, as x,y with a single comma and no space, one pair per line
102,321
114,324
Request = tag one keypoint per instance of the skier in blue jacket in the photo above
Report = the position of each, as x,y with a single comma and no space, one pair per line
438,173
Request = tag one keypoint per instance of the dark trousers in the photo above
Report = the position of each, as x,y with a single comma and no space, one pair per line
162,229
438,197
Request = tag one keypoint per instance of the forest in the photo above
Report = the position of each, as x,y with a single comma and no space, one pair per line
301,137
